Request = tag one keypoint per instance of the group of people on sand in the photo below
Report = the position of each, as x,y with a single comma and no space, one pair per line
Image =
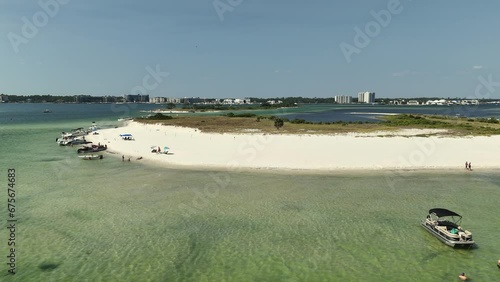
468,166
464,277
123,158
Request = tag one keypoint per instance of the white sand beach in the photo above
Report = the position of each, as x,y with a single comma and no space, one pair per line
382,150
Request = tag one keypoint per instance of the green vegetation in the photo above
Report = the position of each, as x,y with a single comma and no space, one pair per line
158,117
231,114
414,120
455,125
270,124
278,123
63,99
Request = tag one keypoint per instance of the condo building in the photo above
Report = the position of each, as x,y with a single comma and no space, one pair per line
4,98
366,97
136,98
343,99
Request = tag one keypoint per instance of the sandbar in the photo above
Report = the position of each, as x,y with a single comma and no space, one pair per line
404,149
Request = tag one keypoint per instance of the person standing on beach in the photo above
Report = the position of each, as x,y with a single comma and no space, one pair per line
123,158
466,165
470,166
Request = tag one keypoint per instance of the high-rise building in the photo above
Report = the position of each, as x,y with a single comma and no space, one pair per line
136,98
157,100
366,97
4,98
343,99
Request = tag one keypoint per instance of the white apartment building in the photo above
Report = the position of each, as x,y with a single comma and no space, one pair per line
366,97
163,100
157,100
242,101
173,100
4,98
237,101
340,99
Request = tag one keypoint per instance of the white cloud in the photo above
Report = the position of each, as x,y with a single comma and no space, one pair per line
477,67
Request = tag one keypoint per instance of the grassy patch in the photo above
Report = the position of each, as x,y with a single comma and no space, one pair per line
264,124
233,123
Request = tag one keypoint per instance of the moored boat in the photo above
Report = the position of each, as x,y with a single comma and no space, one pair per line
66,136
92,149
445,225
77,132
70,141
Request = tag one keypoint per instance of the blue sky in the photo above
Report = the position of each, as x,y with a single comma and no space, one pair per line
257,48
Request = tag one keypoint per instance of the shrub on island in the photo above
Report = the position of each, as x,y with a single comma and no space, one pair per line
159,116
246,115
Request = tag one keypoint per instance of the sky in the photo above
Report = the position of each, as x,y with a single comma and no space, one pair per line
250,48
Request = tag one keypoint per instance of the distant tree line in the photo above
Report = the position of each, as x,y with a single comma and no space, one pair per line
63,99
295,100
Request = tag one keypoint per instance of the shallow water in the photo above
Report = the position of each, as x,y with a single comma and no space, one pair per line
110,220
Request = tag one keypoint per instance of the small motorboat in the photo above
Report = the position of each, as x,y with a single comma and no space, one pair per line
92,149
47,111
70,141
445,225
74,133
91,157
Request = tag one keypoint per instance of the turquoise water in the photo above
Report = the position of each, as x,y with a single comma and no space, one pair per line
110,220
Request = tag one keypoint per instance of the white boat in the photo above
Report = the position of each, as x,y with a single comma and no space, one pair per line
91,157
69,141
77,132
74,133
93,127
445,225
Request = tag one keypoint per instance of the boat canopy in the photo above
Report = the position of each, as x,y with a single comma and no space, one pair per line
443,212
